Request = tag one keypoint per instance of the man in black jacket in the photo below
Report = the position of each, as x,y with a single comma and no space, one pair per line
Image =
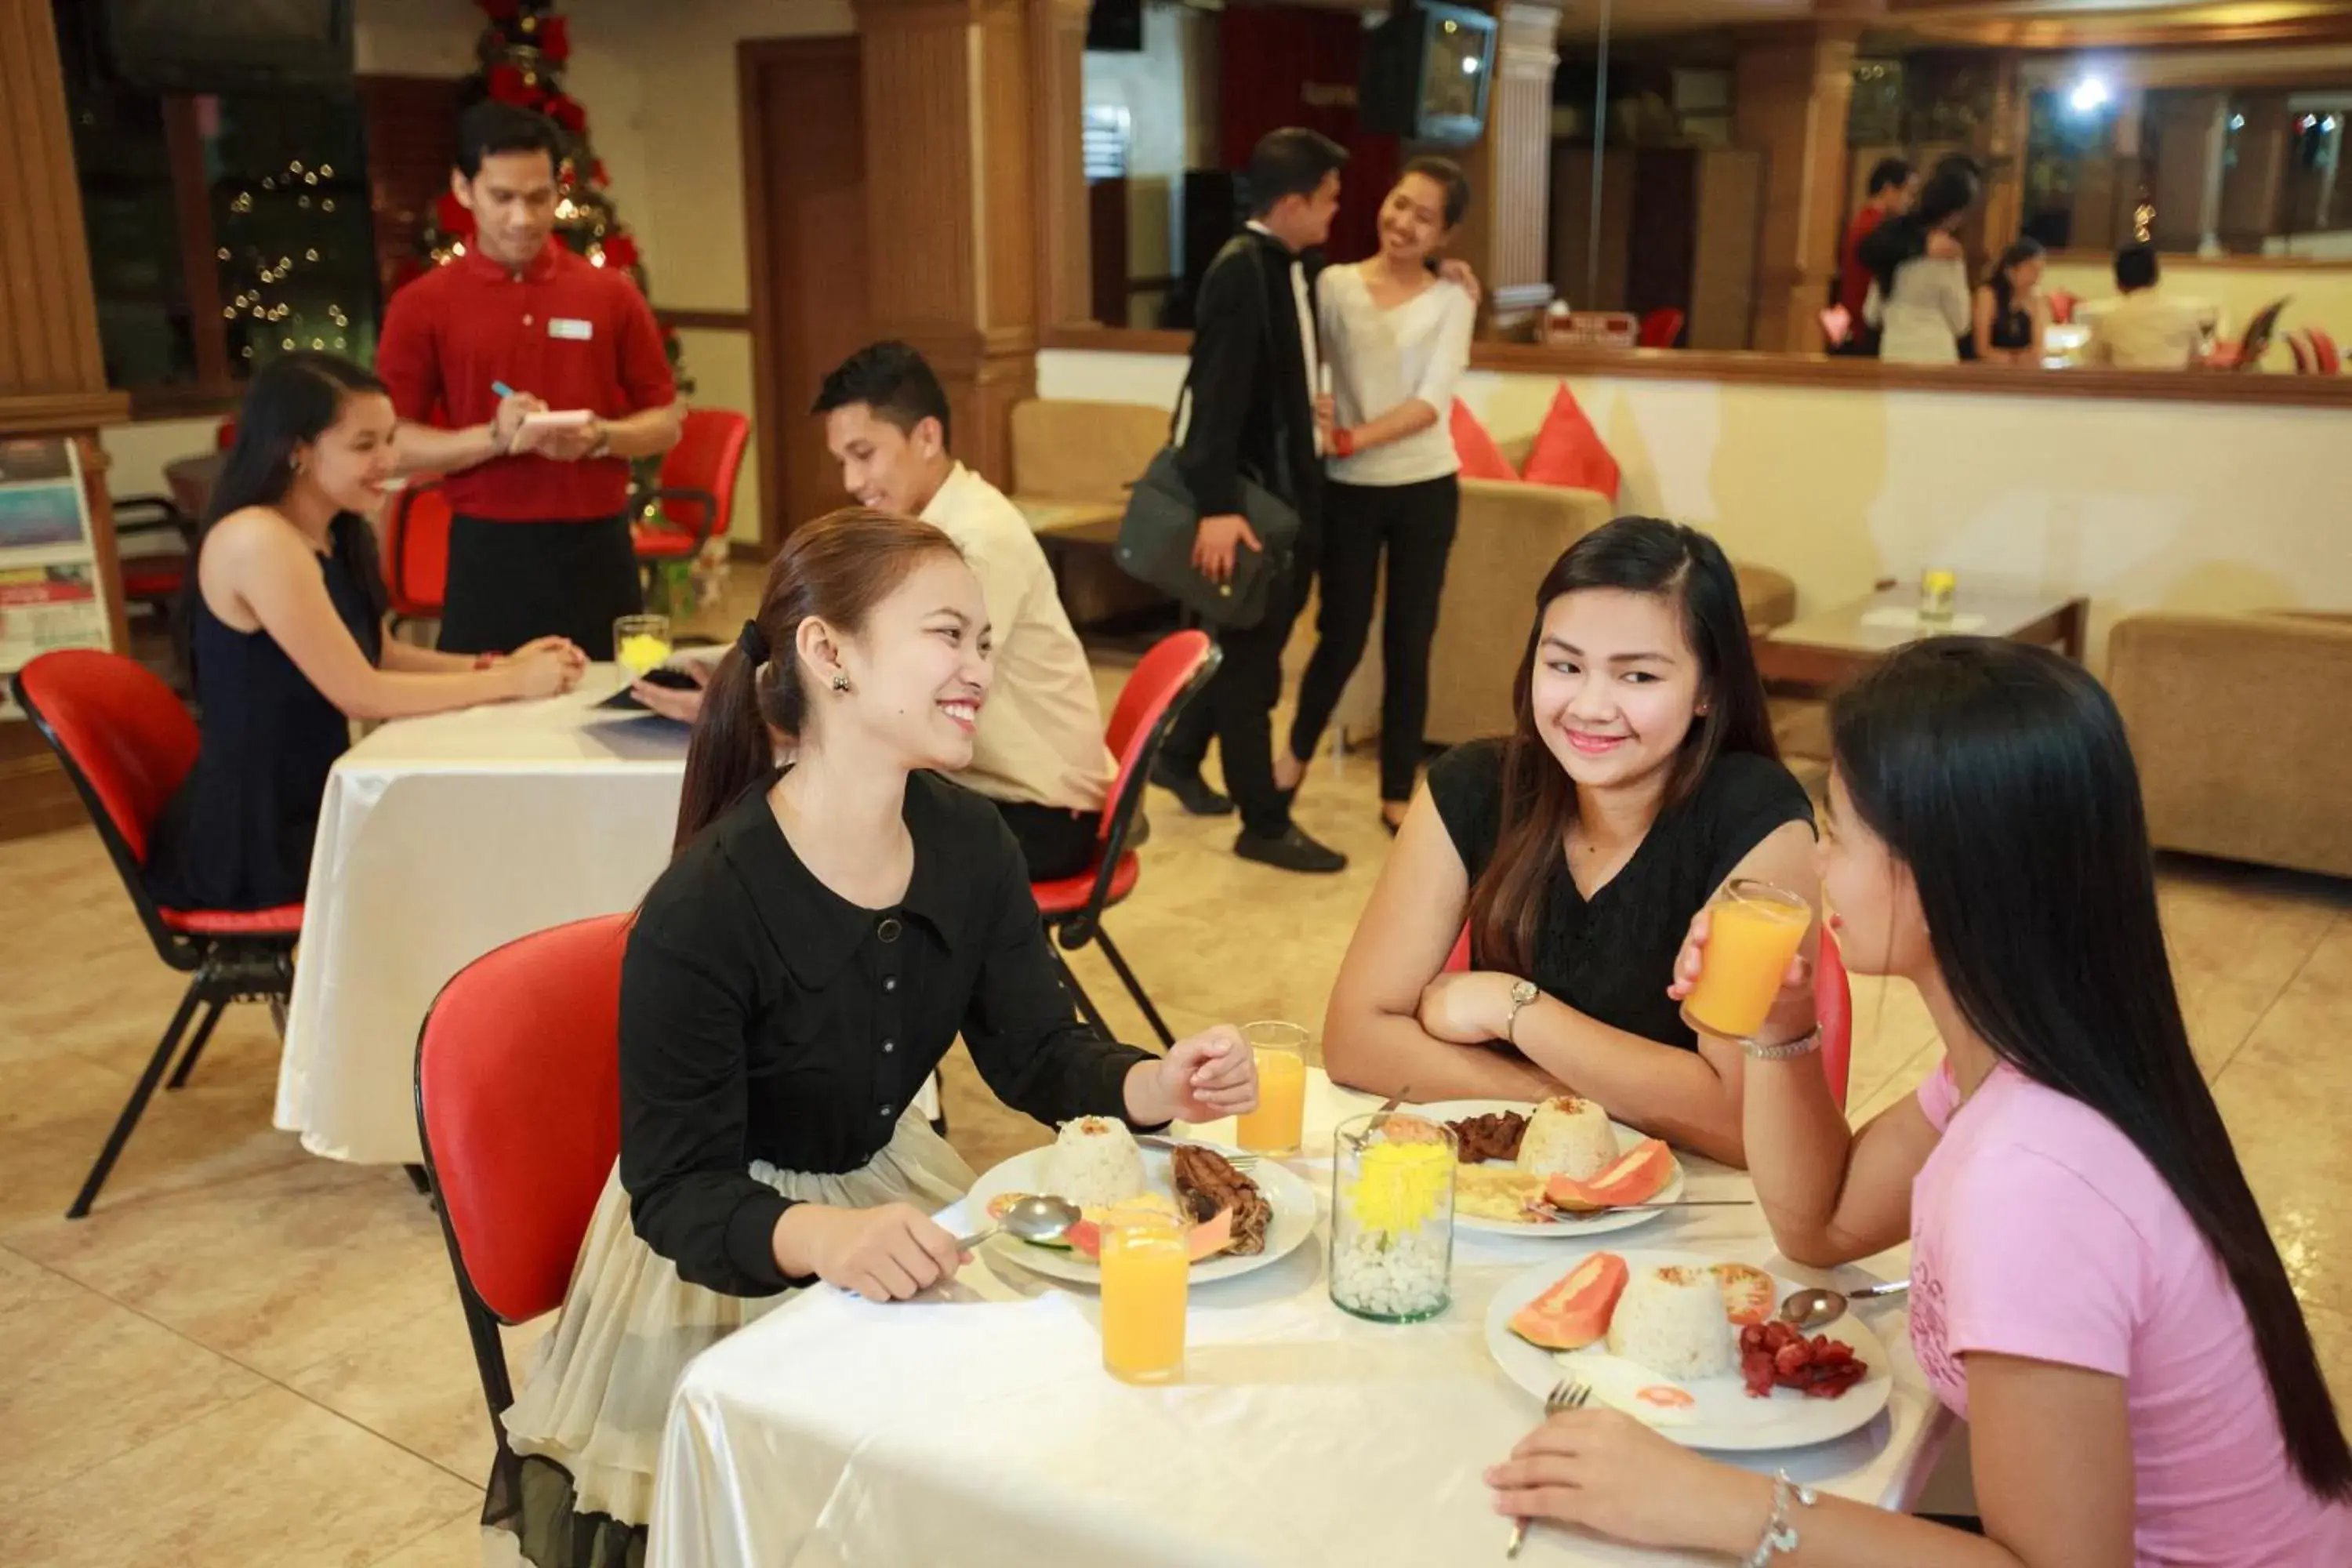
1251,412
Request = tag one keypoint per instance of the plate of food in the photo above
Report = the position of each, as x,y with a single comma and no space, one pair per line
1688,1345
1239,1221
1560,1168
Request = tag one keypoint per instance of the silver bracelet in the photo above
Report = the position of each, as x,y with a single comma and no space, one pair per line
1779,1535
1803,1045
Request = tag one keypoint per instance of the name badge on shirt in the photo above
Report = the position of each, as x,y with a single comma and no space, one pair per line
570,327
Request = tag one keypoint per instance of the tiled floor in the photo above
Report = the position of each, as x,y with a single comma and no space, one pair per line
250,1357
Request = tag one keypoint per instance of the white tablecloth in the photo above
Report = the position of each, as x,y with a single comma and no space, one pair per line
982,1431
439,839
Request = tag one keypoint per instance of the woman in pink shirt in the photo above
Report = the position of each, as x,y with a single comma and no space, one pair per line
2094,1286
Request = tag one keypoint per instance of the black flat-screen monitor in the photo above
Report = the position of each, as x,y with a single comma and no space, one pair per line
1115,26
229,46
1425,73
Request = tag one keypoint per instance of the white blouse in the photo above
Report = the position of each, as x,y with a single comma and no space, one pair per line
1383,358
1922,320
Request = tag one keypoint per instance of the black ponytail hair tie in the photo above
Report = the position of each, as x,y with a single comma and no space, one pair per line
752,642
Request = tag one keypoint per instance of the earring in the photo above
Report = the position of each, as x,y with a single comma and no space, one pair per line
295,464
840,681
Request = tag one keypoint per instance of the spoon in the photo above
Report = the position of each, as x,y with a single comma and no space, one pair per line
1807,1309
1032,1219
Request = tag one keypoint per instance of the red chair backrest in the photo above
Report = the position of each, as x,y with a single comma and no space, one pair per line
2061,306
1661,328
1159,680
519,1106
416,550
2299,344
1833,1010
121,728
225,436
708,456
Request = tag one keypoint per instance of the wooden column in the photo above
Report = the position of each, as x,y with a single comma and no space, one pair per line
1058,44
2252,190
52,375
2001,147
1504,237
2191,131
952,229
1792,87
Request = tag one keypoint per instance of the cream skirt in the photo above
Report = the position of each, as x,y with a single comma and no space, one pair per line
598,1389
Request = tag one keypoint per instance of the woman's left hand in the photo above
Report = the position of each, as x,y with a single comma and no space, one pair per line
1456,270
573,654
1467,1009
1208,1075
1606,1471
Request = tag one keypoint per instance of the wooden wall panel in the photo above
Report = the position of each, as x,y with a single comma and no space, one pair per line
48,316
1057,34
1791,89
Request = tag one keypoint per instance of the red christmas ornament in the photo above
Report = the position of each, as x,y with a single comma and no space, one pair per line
566,111
555,39
453,217
508,85
620,250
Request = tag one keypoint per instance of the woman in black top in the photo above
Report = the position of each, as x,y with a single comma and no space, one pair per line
284,624
2011,314
822,937
1642,775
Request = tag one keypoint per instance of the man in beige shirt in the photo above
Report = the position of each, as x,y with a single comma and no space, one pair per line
2144,330
1040,755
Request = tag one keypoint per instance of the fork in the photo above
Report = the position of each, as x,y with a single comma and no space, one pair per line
1239,1162
1565,1395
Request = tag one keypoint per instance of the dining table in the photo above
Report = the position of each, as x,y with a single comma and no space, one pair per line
975,1425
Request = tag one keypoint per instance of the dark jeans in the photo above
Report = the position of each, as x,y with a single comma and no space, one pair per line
511,581
1236,708
1415,524
1056,841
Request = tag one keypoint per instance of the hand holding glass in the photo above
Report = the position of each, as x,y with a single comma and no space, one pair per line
1754,929
1273,1127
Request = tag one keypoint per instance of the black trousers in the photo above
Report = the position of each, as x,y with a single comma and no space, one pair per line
1056,841
1414,523
511,581
1236,709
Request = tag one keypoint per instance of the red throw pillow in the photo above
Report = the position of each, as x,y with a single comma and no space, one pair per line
1480,458
1569,452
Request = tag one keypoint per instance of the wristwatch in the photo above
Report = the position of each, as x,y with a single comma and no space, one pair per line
1523,994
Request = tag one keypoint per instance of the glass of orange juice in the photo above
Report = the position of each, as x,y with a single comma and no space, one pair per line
1273,1127
1753,930
1145,1270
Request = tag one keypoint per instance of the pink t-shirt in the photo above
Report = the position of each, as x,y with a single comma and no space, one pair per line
2039,1230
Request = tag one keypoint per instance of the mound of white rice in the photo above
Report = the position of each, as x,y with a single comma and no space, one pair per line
1094,1163
1568,1137
1672,1321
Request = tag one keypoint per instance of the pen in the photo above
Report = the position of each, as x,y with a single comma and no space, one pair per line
502,389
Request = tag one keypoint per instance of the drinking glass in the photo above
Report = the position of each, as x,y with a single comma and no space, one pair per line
1753,930
1275,1127
641,643
1392,1217
1146,1268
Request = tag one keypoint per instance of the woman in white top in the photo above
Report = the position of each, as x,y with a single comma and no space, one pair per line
1396,337
1926,310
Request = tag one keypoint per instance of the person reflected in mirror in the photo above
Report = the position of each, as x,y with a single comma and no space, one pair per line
2011,315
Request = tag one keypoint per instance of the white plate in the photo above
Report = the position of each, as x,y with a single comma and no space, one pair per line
1292,1199
1599,1225
1724,1416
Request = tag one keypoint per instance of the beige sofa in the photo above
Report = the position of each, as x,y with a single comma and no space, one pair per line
2237,724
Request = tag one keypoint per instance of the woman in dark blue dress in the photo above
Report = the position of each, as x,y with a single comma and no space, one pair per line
283,628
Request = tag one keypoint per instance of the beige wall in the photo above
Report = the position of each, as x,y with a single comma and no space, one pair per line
2215,507
2320,296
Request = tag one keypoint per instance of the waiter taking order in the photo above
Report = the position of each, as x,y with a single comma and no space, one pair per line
517,325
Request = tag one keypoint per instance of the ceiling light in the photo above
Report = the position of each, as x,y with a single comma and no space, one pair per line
2088,94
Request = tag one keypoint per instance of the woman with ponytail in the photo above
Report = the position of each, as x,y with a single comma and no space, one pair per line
282,622
824,933
2094,1288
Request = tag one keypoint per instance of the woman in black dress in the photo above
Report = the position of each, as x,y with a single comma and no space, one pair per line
283,623
2011,314
824,935
1640,777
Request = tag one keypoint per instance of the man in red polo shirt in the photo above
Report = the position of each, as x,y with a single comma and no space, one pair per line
1894,186
539,546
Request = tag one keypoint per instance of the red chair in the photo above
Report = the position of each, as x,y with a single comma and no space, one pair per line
126,742
1169,676
1660,329
2061,307
1833,1007
519,1112
417,553
697,487
2325,360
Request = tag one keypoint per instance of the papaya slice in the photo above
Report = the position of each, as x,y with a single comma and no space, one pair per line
1575,1312
1202,1242
1638,1175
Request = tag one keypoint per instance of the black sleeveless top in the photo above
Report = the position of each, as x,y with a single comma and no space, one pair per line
2012,327
237,834
1611,957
